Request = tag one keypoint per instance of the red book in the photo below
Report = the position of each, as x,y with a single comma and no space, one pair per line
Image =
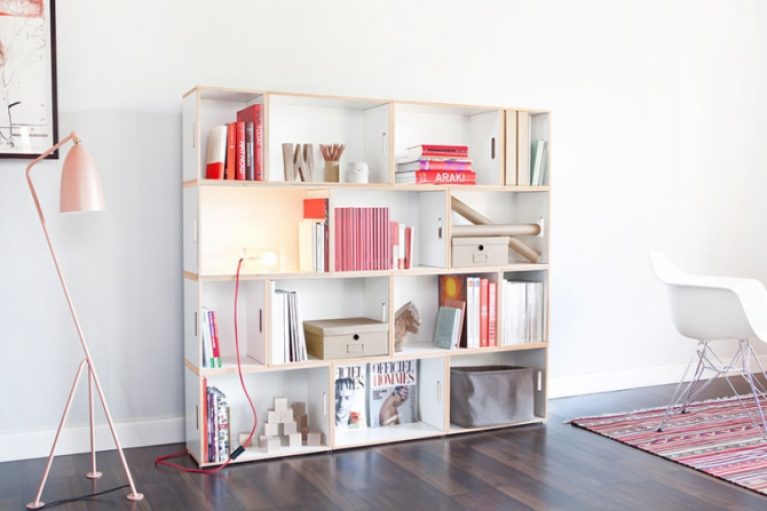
231,149
492,314
454,177
457,151
316,208
240,152
483,315
252,114
337,244
408,247
215,344
216,154
430,163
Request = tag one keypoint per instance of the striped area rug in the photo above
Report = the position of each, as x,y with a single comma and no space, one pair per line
717,437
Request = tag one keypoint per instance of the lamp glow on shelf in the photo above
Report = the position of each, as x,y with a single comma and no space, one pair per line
81,192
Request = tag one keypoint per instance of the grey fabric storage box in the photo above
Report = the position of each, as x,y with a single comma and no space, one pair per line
489,395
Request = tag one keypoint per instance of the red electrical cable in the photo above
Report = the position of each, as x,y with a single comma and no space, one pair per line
162,460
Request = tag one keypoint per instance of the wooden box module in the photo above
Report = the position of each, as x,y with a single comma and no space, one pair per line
223,219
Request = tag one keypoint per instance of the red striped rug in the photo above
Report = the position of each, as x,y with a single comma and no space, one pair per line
717,437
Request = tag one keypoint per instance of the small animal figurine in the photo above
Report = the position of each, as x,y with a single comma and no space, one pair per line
406,319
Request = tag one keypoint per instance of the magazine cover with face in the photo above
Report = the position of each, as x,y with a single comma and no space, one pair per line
350,397
393,393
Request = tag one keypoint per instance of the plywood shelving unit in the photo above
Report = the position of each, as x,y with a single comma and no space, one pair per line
223,218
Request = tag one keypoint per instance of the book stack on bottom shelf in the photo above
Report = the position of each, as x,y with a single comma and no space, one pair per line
216,424
524,314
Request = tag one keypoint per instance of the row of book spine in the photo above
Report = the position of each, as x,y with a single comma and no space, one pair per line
216,425
211,344
524,312
235,150
367,240
288,339
476,297
436,164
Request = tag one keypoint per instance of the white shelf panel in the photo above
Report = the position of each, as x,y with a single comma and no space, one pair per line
370,436
456,429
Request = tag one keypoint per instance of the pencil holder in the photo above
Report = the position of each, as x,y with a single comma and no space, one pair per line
331,171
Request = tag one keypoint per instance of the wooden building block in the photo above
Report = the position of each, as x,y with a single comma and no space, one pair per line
294,440
302,421
262,441
273,416
286,415
299,408
304,432
280,404
314,439
271,429
273,444
289,428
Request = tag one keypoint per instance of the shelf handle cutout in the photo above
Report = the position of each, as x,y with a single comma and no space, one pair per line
197,417
325,404
260,321
492,148
540,381
195,323
439,228
383,143
439,391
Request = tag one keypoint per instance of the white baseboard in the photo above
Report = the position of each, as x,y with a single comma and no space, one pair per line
18,445
618,380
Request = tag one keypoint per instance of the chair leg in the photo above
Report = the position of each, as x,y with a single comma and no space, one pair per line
680,388
748,351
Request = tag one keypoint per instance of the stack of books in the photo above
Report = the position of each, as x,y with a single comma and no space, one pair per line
235,150
288,341
524,315
436,164
211,346
313,241
367,240
216,425
477,297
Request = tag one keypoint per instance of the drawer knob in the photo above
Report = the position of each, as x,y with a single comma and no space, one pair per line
482,247
356,337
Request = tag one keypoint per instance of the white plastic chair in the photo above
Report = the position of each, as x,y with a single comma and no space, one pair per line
710,309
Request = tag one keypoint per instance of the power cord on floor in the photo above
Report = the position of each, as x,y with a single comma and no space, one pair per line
162,460
83,497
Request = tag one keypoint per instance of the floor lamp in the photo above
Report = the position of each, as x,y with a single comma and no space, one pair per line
80,192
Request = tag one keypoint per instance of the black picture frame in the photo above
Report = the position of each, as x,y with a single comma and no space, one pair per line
49,9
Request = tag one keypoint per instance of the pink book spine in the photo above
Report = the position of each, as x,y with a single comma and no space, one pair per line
483,315
338,238
492,326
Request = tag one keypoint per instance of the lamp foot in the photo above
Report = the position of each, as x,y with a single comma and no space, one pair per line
93,475
36,505
135,496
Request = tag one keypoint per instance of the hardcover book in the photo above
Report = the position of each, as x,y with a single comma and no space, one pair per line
252,114
448,330
447,177
456,151
393,393
350,409
452,290
216,153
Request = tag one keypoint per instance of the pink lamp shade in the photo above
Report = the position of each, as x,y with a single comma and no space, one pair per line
80,183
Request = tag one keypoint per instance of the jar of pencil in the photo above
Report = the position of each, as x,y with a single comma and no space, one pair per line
331,153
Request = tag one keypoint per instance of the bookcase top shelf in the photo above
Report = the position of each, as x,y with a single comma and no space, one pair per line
244,95
367,186
518,267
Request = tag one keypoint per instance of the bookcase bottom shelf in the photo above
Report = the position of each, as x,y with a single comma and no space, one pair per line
456,429
371,436
259,453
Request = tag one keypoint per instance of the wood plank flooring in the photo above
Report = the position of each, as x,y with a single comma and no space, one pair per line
542,467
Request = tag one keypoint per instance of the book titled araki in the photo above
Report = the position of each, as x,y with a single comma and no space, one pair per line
393,393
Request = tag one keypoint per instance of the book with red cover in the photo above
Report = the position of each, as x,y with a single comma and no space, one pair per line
431,163
252,113
216,345
483,313
408,247
231,150
216,153
316,208
394,245
455,177
452,288
240,152
457,151
492,315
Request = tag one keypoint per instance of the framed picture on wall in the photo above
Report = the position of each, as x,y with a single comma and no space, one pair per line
28,110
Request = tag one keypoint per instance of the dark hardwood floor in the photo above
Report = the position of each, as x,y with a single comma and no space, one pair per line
552,467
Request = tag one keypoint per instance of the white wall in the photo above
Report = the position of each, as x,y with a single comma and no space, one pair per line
658,142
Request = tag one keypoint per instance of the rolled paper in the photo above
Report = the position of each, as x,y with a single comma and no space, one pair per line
472,231
478,218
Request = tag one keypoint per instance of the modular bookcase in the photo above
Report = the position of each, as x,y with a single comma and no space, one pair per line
222,220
